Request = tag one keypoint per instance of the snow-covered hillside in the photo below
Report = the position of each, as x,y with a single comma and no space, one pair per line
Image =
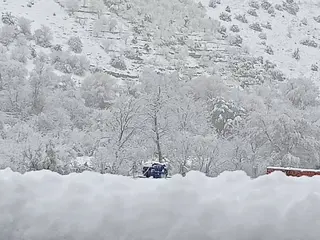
275,29
63,25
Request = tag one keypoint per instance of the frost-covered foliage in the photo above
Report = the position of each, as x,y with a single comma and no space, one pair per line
252,12
314,67
269,50
99,91
235,40
277,75
24,25
72,5
291,7
266,25
253,71
212,3
104,24
254,4
234,28
20,53
225,17
43,36
132,54
256,27
296,54
118,62
304,21
278,7
262,35
241,18
7,34
222,30
265,5
317,19
57,47
271,11
68,63
8,18
75,44
309,43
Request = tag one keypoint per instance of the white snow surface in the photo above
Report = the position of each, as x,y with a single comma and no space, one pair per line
44,205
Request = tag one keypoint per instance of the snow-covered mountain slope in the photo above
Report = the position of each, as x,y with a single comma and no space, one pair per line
53,15
173,42
283,27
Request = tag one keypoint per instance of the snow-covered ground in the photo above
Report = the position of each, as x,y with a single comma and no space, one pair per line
284,37
44,205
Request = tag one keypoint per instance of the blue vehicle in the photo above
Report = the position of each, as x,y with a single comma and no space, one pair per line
155,170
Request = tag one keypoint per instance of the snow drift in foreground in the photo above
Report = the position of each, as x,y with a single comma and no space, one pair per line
44,205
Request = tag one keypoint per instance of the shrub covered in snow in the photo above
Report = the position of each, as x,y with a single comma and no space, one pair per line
304,21
43,36
7,34
278,7
317,19
98,90
72,5
8,18
296,54
262,35
277,75
235,40
269,50
3,53
228,9
118,62
269,65
252,12
132,54
213,3
314,68
265,5
266,25
271,11
254,4
256,27
24,26
225,17
241,18
57,48
222,30
20,53
234,28
107,44
291,7
67,63
75,44
309,43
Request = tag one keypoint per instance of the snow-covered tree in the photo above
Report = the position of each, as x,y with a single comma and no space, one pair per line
99,91
43,36
75,44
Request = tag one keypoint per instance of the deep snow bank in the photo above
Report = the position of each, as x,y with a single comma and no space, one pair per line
44,205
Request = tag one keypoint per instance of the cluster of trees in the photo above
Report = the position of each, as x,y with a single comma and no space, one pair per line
47,122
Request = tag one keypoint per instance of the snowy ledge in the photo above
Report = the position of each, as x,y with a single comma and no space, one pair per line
44,205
